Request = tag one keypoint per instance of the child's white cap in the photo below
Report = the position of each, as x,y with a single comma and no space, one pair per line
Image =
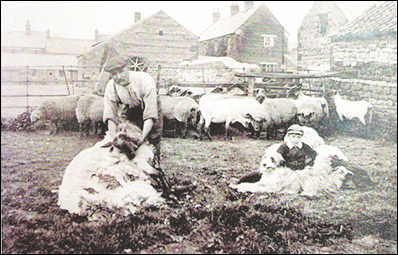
295,129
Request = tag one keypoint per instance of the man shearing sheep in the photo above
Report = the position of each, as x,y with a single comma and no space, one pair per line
137,91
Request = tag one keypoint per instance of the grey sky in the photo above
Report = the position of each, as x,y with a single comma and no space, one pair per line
79,19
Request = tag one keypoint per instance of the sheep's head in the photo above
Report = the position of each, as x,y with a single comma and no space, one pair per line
306,117
270,161
256,122
127,139
173,89
35,116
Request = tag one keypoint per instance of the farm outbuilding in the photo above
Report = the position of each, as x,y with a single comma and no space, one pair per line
252,36
44,54
156,40
313,47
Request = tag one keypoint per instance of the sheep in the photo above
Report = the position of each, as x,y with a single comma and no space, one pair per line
56,110
353,109
220,109
272,113
90,109
311,111
182,109
308,182
176,90
116,177
259,94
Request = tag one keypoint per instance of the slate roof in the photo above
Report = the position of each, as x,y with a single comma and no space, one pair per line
109,38
39,40
37,60
377,20
231,24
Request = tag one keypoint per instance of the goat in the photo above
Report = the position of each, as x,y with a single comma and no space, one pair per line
353,109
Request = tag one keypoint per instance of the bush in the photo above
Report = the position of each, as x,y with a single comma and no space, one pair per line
20,123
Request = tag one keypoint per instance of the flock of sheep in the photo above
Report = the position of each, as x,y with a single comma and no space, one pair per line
87,183
197,112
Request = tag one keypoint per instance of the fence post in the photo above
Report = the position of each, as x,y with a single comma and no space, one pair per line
66,80
158,77
27,88
203,80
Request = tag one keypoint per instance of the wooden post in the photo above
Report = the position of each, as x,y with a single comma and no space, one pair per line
158,77
251,85
66,80
203,80
27,88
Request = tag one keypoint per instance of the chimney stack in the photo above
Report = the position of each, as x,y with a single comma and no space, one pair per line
96,35
249,5
216,16
28,31
234,8
137,17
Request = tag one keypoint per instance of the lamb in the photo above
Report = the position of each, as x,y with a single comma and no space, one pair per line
56,110
221,108
184,110
271,114
90,109
116,177
353,109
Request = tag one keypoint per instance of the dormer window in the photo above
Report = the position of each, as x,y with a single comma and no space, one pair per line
160,32
269,40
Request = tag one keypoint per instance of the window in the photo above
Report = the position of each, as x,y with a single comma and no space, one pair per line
268,67
269,40
61,73
323,24
160,32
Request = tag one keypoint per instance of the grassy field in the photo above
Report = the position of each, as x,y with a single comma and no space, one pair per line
211,219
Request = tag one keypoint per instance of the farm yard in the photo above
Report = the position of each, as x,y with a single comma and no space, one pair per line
211,219
228,99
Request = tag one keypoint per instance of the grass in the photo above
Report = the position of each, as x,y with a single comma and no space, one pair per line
211,219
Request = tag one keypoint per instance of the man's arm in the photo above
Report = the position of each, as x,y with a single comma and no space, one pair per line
148,124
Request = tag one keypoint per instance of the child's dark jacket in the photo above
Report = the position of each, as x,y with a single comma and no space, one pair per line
297,158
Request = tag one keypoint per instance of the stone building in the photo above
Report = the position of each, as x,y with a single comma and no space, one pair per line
157,40
252,36
366,48
38,56
313,50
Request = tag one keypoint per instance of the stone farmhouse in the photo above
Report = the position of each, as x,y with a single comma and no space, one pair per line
313,49
38,56
251,36
156,40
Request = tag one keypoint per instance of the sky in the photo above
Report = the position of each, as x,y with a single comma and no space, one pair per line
79,19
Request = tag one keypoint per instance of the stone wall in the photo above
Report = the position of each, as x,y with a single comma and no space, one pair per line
370,59
381,94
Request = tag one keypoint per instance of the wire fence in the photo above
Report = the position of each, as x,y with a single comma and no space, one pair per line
25,87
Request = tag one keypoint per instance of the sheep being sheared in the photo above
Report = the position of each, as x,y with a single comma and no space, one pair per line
116,177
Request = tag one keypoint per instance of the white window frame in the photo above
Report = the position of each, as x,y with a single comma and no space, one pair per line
268,67
269,41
